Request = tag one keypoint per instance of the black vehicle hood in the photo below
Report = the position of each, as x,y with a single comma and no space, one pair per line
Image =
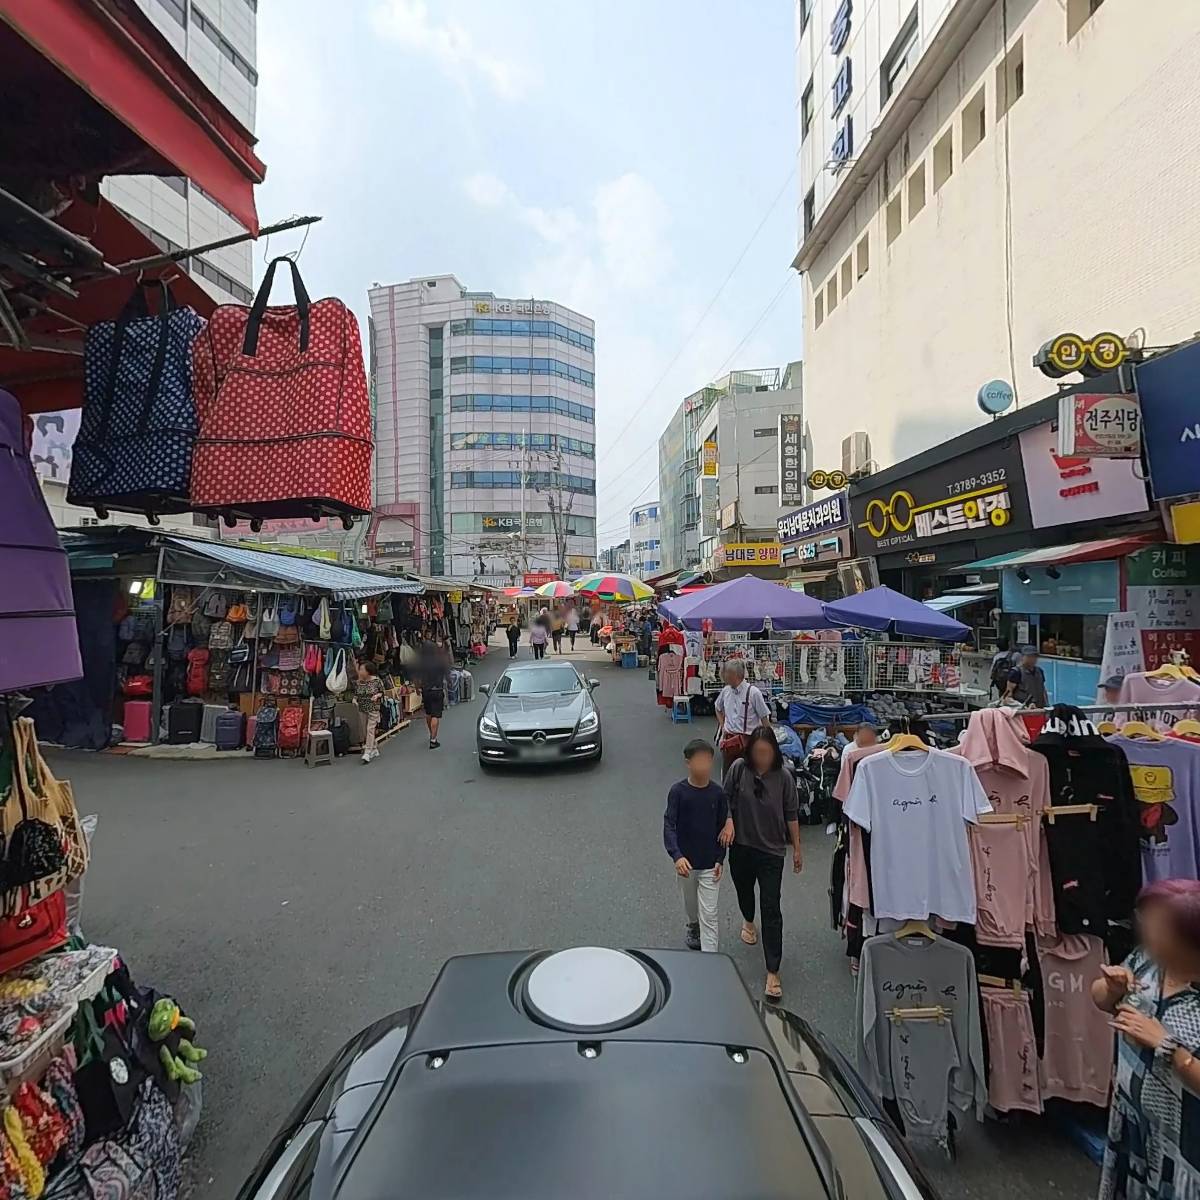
547,710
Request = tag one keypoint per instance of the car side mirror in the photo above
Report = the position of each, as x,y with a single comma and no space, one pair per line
593,684
485,689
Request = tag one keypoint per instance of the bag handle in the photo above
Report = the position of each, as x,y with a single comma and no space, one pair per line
259,308
136,308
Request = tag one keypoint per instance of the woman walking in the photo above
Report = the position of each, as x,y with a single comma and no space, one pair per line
538,637
572,624
556,630
765,812
1153,1150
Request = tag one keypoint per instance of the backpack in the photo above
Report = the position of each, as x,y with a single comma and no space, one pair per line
220,637
1000,672
178,643
218,671
238,613
125,630
291,728
197,672
181,606
215,606
201,628
266,732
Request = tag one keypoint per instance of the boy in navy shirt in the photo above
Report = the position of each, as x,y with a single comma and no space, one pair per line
696,830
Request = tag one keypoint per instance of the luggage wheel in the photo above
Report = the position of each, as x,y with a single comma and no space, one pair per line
230,520
102,513
153,518
255,524
347,522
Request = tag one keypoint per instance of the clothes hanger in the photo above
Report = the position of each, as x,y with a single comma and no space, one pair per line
905,741
1168,670
1141,729
995,818
935,1013
1070,810
1108,727
1188,725
999,982
915,929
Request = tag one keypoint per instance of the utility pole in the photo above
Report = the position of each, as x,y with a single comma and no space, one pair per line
524,470
561,502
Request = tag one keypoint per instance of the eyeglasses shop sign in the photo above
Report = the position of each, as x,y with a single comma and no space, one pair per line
830,513
975,495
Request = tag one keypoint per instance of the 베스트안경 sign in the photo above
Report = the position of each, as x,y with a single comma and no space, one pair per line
830,513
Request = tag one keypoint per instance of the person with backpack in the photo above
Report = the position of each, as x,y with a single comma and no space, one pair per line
368,693
1003,662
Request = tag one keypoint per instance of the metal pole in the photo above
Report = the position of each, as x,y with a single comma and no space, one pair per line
524,463
965,713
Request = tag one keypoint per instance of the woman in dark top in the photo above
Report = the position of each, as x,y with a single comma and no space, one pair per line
766,821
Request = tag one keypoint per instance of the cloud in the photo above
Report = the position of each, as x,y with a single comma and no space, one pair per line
554,225
450,45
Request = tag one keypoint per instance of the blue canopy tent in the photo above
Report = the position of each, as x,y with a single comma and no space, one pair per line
886,611
745,605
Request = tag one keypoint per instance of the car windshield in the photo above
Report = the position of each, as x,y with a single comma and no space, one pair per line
544,679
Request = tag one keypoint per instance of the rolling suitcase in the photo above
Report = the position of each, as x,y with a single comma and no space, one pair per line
184,719
230,730
341,737
251,723
208,721
137,720
285,430
466,689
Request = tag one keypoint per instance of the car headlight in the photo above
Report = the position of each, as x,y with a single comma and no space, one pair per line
589,722
489,729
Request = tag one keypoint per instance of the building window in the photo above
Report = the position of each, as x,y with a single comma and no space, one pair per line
208,27
215,275
177,9
810,211
514,441
863,254
176,183
895,219
943,159
900,58
818,309
847,275
1010,79
538,480
485,364
974,123
770,489
806,111
523,328
536,404
1079,13
831,294
916,191
769,431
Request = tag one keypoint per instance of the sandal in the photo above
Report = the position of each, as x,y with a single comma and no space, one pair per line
773,997
751,939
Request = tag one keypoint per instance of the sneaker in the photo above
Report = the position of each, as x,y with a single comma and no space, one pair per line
692,938
366,758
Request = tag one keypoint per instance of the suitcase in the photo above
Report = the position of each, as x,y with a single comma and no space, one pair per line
284,412
138,426
208,722
341,737
137,720
230,730
251,722
466,688
184,719
349,712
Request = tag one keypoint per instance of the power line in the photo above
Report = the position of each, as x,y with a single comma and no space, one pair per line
707,309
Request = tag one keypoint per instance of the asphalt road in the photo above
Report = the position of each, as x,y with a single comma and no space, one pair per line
287,907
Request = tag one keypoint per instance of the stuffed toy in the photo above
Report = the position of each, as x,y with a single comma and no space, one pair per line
165,1019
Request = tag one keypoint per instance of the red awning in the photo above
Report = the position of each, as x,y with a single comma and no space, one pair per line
48,380
91,88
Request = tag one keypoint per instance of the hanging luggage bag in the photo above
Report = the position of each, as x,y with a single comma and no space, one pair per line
138,425
285,418
39,643
230,730
184,719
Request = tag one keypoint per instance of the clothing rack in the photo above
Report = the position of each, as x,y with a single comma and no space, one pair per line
966,714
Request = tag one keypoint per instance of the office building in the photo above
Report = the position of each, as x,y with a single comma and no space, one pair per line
485,426
218,40
962,203
615,558
718,463
645,540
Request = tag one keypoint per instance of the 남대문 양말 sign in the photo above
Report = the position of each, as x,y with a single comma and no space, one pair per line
759,554
830,513
976,495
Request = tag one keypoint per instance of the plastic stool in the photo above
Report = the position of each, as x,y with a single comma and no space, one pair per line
681,710
319,748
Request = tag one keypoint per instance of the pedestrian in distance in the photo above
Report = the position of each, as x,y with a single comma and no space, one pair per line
741,708
1027,681
572,624
556,630
514,636
696,830
368,693
596,624
433,666
1153,1150
538,637
765,811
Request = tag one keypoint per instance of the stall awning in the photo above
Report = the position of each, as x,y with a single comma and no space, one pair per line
92,88
192,561
952,603
1073,552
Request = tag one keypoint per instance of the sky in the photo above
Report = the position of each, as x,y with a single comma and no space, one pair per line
633,160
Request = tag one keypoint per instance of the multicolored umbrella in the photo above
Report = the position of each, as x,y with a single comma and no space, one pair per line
618,588
556,589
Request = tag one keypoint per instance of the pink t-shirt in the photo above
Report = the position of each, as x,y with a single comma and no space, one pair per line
1079,1041
858,889
1142,690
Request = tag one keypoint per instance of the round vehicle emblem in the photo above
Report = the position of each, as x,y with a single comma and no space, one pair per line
538,737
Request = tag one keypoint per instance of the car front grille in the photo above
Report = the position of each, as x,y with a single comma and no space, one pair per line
552,735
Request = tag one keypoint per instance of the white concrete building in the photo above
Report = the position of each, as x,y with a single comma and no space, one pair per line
978,176
218,39
484,410
645,540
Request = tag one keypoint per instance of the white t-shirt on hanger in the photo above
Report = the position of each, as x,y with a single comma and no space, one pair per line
916,803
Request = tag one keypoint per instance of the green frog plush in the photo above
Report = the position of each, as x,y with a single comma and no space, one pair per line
165,1019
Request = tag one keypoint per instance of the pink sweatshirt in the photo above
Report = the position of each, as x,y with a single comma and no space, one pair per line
857,887
1012,862
1140,689
1079,1042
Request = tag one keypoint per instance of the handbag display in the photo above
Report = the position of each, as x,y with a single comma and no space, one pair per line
284,412
138,426
267,625
32,930
336,679
287,635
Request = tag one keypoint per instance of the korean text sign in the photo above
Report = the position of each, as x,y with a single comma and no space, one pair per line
830,513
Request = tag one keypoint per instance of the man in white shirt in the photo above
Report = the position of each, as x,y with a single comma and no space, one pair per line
741,709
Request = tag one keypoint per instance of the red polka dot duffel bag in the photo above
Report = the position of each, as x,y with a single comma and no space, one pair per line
284,412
